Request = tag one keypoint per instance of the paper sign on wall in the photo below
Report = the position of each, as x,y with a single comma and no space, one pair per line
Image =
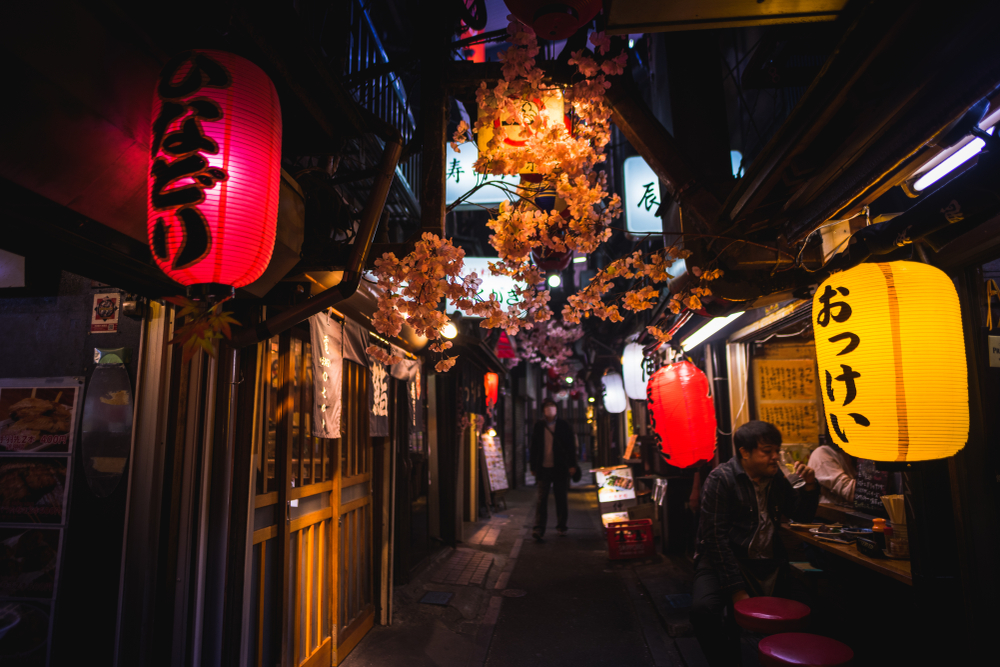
104,315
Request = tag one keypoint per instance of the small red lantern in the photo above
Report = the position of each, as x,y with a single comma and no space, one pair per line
492,382
682,413
505,347
215,172
554,20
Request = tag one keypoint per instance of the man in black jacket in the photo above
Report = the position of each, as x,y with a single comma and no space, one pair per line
738,554
552,462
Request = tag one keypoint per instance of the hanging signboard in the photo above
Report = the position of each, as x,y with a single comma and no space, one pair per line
460,177
642,197
504,288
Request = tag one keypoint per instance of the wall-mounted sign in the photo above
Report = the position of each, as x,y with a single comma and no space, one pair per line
460,177
642,197
104,315
504,287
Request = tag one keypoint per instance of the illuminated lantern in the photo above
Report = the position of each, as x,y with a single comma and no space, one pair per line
214,172
634,370
554,20
682,413
614,393
548,104
891,356
505,347
492,382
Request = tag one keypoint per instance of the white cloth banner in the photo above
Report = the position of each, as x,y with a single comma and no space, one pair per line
328,367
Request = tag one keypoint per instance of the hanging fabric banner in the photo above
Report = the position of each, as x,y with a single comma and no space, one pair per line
355,343
327,359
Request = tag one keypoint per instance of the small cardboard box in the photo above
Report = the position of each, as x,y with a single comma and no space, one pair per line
646,511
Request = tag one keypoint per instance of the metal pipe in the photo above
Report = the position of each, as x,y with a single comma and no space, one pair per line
355,268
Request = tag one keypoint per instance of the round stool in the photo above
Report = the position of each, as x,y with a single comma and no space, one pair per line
802,648
768,615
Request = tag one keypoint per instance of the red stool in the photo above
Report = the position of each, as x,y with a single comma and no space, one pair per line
768,615
802,648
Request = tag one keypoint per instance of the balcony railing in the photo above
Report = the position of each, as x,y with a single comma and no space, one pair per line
383,94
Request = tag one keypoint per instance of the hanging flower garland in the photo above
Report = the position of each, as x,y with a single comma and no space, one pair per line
549,344
557,159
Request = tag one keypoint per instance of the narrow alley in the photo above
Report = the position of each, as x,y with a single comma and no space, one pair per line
559,601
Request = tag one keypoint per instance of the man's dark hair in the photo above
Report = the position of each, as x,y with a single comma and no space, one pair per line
754,433
549,401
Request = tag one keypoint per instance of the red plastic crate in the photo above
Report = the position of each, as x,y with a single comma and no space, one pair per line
630,539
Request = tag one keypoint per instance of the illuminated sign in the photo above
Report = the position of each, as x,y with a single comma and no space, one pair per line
642,197
460,177
504,287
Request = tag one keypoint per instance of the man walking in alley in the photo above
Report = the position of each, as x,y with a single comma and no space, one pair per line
738,556
553,462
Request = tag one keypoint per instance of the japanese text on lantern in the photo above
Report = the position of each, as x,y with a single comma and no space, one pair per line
840,384
179,155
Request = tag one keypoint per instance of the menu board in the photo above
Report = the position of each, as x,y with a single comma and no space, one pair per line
495,466
798,422
39,421
786,396
870,486
614,484
786,379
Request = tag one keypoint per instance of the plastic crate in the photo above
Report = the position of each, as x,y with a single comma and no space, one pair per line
630,539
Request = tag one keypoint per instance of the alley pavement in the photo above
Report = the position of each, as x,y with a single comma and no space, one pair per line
517,602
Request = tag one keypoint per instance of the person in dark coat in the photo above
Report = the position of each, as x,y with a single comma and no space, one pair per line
738,554
553,462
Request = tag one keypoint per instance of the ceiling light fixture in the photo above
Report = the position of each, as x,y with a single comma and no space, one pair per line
709,328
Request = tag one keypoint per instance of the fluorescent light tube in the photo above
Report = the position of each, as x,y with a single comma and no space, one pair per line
710,327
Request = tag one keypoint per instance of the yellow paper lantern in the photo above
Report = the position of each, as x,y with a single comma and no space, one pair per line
546,103
891,358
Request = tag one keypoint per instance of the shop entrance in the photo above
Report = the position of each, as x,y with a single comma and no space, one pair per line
311,579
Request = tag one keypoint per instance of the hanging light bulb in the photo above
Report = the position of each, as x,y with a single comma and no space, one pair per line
555,280
449,330
569,380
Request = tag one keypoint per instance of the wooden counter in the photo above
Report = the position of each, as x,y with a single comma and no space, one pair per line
845,515
897,569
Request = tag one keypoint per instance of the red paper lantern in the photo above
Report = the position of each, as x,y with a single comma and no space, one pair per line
215,172
554,20
492,382
505,347
682,413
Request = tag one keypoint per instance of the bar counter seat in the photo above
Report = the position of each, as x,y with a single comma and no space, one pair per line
770,615
803,649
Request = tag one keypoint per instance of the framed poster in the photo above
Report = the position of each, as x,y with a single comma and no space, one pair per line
39,415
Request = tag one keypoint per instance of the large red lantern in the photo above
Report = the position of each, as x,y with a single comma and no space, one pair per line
682,413
554,20
215,172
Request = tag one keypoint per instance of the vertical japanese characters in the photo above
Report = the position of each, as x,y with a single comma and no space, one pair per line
891,362
214,171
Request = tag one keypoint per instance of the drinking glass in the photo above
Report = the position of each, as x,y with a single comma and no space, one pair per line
789,462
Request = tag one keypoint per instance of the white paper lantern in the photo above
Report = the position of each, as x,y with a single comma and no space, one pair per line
614,393
634,368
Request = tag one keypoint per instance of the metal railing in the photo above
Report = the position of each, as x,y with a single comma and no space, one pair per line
383,94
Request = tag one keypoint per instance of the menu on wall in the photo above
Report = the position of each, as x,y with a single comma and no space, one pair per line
39,420
786,395
798,422
786,379
870,486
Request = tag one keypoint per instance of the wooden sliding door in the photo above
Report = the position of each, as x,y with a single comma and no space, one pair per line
355,573
311,573
293,562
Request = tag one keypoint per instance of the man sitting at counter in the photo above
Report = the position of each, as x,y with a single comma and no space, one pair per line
737,556
835,473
